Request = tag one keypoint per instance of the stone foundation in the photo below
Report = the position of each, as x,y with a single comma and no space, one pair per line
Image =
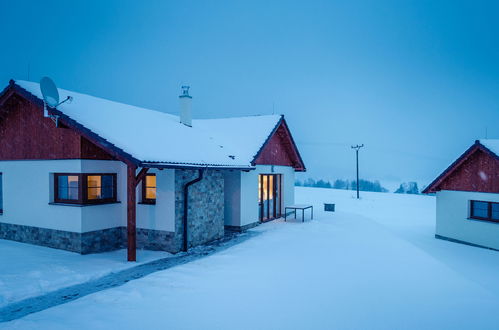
57,239
90,242
242,228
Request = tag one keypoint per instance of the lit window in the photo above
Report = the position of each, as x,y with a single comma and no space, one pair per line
100,187
149,189
84,188
484,210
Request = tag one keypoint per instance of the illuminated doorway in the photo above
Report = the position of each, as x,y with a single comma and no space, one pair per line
269,196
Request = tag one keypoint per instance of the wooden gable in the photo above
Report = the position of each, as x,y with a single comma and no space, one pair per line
476,170
280,149
26,134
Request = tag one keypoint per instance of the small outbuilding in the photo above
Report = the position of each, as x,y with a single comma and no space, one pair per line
467,194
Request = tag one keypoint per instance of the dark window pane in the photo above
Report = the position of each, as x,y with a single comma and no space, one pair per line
107,180
495,211
63,181
480,209
107,192
62,192
67,187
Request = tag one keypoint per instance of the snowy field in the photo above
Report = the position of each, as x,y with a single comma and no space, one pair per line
28,270
373,264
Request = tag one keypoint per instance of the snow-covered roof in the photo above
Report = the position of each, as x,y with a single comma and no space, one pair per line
152,136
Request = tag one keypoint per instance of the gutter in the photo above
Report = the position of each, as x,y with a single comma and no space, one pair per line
186,207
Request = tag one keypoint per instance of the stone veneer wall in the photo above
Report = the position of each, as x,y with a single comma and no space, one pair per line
57,239
89,242
205,209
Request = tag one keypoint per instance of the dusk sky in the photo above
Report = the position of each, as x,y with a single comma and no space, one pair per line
415,81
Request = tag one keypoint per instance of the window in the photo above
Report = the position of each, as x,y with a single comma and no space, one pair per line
1,195
484,210
149,189
84,188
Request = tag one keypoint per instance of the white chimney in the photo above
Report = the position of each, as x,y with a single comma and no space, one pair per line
185,107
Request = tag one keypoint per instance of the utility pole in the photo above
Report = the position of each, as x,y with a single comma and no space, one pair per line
357,147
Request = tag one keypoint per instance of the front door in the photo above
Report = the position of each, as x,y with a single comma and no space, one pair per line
269,196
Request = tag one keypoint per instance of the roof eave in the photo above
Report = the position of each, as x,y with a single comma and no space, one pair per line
162,165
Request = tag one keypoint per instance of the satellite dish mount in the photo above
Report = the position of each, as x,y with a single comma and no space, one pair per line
51,98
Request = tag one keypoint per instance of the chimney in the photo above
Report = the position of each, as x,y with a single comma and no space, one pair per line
185,107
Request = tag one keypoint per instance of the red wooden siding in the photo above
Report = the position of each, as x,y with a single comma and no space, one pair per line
26,134
477,172
91,151
280,150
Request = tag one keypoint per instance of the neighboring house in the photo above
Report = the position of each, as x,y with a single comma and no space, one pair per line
467,194
95,175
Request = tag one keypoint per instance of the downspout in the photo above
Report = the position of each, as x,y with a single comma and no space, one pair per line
186,205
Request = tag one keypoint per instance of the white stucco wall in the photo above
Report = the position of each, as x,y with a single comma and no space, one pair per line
453,218
160,216
28,190
232,198
248,193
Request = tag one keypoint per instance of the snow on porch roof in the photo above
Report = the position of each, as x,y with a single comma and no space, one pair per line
158,138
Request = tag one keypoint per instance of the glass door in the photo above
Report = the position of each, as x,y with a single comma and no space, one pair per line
269,196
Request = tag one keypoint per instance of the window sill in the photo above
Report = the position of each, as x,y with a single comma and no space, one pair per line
83,205
484,220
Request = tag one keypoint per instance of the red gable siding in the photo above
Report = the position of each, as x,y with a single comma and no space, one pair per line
280,150
26,134
275,153
479,171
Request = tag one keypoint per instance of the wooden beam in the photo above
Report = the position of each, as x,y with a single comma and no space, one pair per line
131,213
141,175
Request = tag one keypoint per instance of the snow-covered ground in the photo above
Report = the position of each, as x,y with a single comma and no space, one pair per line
28,270
373,264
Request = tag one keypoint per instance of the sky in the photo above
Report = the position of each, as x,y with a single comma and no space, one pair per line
416,82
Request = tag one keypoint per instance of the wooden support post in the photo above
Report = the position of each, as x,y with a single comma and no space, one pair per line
131,213
132,181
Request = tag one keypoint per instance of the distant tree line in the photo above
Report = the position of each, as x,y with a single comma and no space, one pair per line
364,185
408,188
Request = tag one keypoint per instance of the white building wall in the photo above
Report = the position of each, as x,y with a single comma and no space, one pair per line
248,183
453,210
28,192
160,216
232,198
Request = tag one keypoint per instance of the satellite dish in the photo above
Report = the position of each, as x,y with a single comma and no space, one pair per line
49,92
